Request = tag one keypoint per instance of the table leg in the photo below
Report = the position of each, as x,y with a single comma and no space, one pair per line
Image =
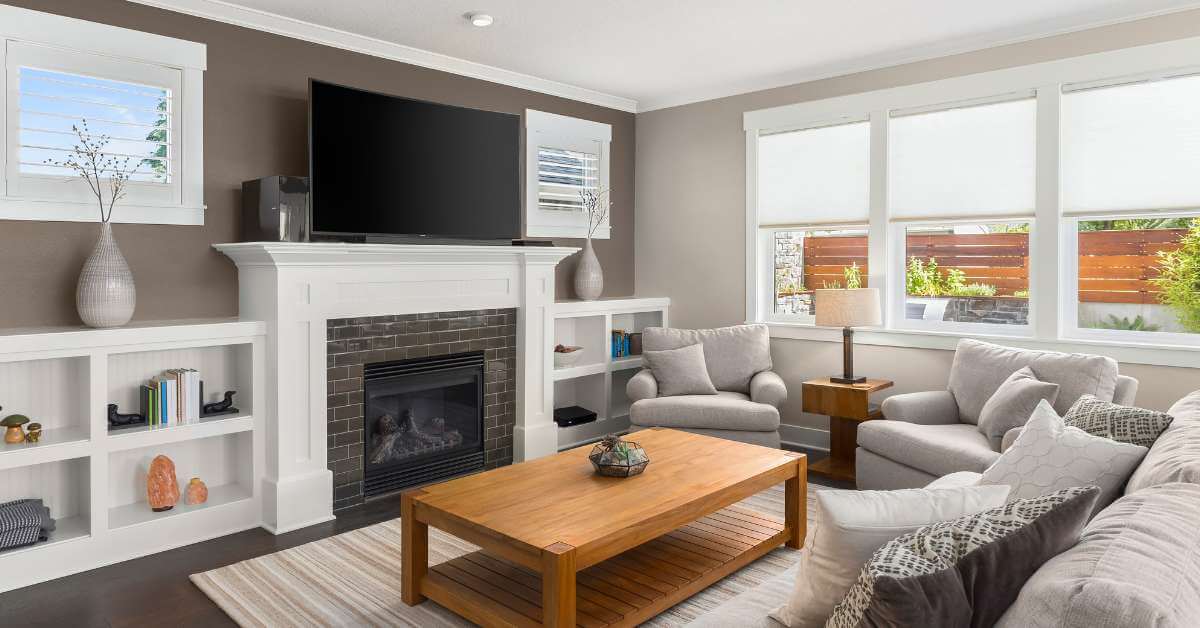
414,550
558,585
795,504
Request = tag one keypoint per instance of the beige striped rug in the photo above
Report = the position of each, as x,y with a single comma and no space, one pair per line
353,579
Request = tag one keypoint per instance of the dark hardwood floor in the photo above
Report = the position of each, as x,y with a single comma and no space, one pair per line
155,590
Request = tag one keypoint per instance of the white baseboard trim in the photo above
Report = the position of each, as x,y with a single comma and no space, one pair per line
807,437
297,526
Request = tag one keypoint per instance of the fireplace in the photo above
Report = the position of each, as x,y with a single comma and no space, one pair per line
422,420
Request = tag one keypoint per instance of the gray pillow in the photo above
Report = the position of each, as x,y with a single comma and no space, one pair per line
679,371
966,571
1124,424
1012,403
733,355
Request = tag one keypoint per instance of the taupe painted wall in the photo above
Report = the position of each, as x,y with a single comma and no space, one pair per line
691,199
255,124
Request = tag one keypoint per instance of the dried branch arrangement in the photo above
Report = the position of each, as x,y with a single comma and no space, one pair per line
103,171
596,206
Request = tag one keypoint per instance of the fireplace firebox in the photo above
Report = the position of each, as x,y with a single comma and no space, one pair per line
422,420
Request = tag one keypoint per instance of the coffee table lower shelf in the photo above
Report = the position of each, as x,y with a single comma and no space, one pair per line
624,590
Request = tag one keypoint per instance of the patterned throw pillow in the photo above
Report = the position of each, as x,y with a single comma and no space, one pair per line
966,571
1123,424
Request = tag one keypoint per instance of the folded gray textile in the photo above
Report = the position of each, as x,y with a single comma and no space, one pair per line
24,522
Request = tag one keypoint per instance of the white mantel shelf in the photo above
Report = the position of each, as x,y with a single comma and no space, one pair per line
297,287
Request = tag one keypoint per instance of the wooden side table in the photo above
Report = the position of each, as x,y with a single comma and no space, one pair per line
847,405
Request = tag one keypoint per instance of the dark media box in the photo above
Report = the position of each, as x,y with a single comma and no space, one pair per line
573,415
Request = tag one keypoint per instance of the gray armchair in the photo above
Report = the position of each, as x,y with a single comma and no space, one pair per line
930,434
738,358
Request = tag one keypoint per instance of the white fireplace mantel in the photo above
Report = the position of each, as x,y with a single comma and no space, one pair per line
296,287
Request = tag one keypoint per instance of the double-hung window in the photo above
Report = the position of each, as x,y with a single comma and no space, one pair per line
136,97
813,193
961,183
1131,161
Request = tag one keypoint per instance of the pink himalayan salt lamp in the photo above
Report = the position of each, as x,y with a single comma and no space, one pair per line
197,492
162,488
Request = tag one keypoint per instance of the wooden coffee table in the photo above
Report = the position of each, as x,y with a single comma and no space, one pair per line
563,546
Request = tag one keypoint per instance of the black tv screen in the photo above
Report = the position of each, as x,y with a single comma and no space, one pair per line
389,166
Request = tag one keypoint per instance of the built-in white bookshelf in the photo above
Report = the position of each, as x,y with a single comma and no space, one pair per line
596,381
92,478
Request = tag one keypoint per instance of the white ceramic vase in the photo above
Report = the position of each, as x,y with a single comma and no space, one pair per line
589,278
105,296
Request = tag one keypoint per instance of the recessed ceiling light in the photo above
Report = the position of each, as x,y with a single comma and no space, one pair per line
480,19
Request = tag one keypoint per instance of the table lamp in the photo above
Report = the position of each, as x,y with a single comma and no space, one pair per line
848,309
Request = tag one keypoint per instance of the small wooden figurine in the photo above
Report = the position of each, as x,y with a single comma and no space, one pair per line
197,492
162,487
13,433
33,432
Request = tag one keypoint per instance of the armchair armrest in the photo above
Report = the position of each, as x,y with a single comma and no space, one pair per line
768,387
642,386
935,407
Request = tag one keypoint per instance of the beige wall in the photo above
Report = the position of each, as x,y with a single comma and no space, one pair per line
691,210
255,94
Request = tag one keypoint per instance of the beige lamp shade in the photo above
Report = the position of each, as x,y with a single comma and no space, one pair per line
848,308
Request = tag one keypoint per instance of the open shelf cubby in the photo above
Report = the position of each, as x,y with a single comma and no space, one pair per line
597,381
93,479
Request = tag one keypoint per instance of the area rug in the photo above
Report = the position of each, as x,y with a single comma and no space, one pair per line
353,579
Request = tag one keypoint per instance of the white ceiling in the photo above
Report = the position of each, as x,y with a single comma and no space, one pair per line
661,53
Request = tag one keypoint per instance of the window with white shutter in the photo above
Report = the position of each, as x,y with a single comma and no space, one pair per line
564,157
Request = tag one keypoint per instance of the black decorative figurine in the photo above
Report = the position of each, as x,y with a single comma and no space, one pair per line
116,420
224,406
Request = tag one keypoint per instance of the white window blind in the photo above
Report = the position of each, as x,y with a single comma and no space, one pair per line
562,175
815,176
135,118
966,162
1132,147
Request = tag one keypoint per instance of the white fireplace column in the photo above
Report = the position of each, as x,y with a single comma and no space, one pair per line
297,287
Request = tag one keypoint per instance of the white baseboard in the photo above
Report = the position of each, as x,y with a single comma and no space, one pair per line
807,437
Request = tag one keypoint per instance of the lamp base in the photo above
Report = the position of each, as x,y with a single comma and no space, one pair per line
847,380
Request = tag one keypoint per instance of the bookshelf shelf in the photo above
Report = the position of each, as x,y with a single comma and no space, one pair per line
93,480
599,385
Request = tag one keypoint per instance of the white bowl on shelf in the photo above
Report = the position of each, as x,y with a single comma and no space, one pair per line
567,360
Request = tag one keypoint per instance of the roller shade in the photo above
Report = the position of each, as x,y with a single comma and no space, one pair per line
815,176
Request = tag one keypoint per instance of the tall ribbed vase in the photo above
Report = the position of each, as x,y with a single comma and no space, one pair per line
105,296
589,278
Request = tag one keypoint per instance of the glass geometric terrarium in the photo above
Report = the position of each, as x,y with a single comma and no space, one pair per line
617,458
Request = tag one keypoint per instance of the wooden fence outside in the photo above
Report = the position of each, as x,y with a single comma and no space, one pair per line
1114,266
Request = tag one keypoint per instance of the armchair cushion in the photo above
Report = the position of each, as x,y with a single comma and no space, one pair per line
723,411
768,387
680,371
935,407
934,449
641,386
980,367
733,355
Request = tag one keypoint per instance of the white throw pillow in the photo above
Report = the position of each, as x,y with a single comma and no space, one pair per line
1049,456
851,525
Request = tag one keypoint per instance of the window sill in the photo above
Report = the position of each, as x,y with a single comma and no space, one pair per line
1126,352
74,211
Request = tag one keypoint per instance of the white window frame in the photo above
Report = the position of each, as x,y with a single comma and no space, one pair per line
766,235
564,132
1052,287
35,39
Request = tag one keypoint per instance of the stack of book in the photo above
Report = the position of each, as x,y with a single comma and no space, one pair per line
620,343
172,398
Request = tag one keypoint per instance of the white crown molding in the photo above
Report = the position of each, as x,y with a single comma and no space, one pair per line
891,59
220,11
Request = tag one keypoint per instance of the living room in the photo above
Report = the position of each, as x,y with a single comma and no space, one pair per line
531,313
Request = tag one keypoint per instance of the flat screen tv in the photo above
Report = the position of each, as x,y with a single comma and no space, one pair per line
390,167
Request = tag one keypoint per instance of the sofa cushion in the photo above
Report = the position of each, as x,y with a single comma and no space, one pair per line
1049,456
724,411
1012,404
934,449
980,367
680,371
732,354
966,571
1135,565
849,527
1124,424
1175,456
